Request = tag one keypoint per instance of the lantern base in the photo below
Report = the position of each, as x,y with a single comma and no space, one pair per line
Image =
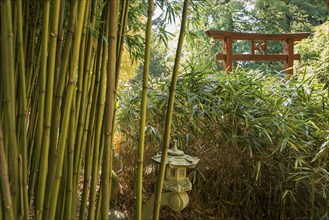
175,200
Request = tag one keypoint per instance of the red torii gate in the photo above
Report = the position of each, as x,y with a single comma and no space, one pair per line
228,57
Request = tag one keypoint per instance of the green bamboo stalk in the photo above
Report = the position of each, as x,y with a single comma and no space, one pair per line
8,78
58,102
81,101
47,114
4,182
139,193
62,77
62,189
109,110
26,31
70,154
101,83
81,76
80,146
23,111
14,28
67,109
170,107
89,146
41,107
121,37
60,39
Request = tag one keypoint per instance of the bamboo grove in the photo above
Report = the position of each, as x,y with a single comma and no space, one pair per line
60,66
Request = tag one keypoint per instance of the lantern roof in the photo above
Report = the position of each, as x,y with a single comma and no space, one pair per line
177,158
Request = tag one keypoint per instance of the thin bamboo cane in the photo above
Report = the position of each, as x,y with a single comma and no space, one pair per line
139,193
14,28
47,114
41,106
81,76
67,109
62,189
100,82
26,17
170,108
79,148
70,154
8,79
58,101
62,80
60,39
23,111
89,146
120,44
4,182
121,37
109,110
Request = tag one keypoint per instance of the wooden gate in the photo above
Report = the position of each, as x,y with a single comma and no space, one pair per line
259,47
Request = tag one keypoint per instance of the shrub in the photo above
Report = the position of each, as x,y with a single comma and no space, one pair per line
263,142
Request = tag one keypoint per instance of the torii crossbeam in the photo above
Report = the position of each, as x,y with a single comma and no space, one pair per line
228,57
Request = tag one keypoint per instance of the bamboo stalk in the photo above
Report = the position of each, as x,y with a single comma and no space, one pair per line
170,108
58,101
139,194
109,109
62,191
4,182
60,39
80,146
23,111
61,81
48,112
41,107
70,154
88,156
121,37
81,99
67,109
101,83
8,78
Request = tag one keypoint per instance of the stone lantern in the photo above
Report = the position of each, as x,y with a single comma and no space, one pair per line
176,183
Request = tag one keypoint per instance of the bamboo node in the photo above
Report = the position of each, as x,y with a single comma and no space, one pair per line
72,81
53,34
8,206
58,177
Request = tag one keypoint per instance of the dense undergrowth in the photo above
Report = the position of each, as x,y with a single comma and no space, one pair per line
263,141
